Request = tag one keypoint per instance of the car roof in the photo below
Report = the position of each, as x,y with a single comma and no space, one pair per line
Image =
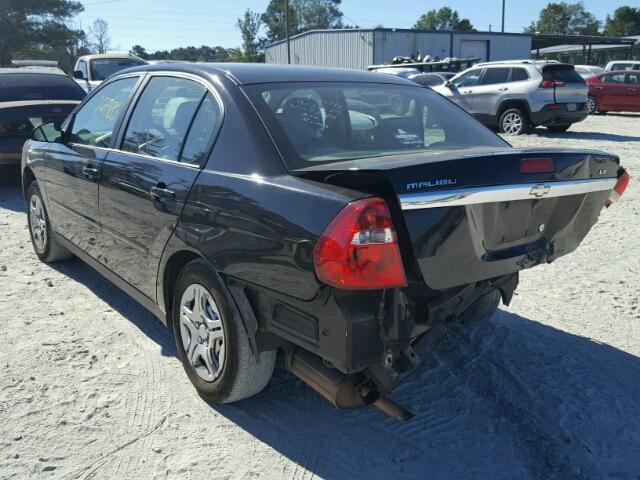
33,71
109,55
252,73
620,71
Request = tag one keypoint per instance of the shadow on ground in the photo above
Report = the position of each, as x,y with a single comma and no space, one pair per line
11,189
607,137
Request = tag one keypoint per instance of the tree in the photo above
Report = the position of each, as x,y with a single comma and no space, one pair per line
39,28
565,19
303,15
249,27
443,19
624,22
139,51
99,35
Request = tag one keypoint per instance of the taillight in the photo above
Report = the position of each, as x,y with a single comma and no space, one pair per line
537,165
619,188
551,84
359,249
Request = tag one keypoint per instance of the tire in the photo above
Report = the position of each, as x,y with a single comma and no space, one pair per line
592,105
514,121
558,128
221,367
481,310
44,242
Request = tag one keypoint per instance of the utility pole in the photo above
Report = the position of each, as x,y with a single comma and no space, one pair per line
503,16
286,30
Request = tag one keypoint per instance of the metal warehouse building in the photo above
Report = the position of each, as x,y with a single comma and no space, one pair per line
359,48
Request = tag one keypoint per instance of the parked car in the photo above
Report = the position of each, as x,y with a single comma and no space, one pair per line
432,79
28,98
614,92
91,70
586,71
268,208
515,96
622,65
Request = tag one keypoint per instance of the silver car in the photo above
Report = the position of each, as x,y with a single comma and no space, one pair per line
515,96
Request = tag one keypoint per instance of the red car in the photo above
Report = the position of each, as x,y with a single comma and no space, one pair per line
617,91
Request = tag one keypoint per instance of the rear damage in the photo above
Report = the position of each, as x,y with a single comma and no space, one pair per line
466,223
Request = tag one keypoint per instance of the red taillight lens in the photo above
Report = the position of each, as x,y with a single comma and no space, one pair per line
619,188
359,249
537,165
546,84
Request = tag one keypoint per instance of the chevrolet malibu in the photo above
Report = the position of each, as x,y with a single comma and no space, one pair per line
338,217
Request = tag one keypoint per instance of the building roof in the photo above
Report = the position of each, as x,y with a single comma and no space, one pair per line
569,48
251,73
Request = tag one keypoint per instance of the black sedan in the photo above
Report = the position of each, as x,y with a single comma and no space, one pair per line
338,217
28,98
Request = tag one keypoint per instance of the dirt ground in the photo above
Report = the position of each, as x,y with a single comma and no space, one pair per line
550,388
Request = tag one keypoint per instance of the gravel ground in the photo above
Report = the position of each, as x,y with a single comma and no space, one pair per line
550,388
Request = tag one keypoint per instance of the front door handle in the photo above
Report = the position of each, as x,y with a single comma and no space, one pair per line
468,91
160,192
503,89
90,173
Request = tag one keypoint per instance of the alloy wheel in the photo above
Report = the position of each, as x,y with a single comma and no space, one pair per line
591,105
38,223
202,332
512,124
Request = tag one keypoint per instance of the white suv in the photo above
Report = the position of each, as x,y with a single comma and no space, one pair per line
622,65
517,95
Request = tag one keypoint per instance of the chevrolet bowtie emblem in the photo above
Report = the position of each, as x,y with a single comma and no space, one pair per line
540,190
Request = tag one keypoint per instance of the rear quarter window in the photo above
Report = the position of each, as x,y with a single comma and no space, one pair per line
38,86
519,74
561,73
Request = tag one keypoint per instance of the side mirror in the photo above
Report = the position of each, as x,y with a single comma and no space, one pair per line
48,132
78,75
450,85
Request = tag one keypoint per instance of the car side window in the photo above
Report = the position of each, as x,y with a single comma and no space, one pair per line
633,78
468,79
93,124
493,76
519,74
204,126
615,78
433,81
161,117
82,66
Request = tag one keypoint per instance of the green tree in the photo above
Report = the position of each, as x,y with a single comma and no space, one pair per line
625,21
443,19
36,28
249,27
303,15
139,51
273,19
565,19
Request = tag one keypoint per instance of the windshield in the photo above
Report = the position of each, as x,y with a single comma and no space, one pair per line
38,86
102,68
325,122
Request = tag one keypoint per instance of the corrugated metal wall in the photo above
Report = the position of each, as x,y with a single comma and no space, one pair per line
360,48
392,44
345,49
501,47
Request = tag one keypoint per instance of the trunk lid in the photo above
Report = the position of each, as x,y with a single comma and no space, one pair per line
19,118
469,215
569,86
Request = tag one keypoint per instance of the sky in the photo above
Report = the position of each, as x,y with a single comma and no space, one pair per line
166,24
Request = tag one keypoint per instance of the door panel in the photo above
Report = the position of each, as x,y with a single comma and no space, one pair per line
493,88
137,219
74,167
144,186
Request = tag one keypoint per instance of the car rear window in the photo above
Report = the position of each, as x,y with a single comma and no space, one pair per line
38,86
327,121
561,73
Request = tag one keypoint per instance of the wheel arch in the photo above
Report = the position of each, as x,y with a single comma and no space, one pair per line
27,178
169,276
513,103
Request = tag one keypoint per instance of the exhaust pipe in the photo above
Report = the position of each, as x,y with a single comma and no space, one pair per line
341,390
331,383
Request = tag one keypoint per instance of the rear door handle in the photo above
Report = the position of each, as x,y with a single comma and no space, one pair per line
503,89
90,173
468,91
160,192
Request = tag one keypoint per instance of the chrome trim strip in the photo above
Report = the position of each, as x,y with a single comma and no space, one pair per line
503,193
